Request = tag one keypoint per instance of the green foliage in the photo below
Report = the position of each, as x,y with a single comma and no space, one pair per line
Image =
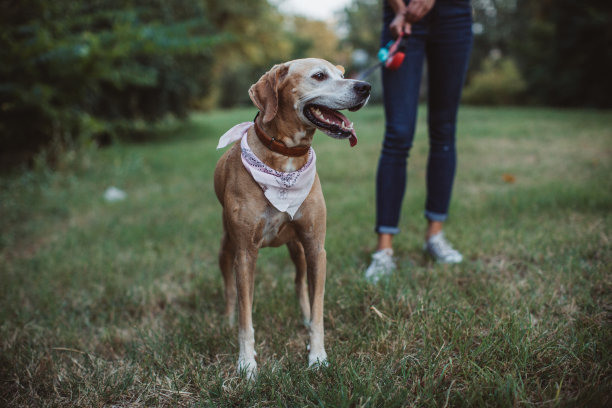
363,19
563,49
498,21
257,40
266,39
363,22
82,69
498,82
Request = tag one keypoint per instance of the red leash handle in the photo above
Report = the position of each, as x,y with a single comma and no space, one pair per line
391,56
393,48
396,57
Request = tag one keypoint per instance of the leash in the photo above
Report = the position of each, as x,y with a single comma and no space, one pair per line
391,56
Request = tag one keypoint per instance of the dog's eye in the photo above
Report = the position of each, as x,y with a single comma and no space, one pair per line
319,76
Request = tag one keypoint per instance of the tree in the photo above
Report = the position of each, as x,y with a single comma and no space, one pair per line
363,22
564,49
261,39
81,69
313,38
257,40
495,26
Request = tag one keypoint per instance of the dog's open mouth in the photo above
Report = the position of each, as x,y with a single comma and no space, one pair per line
332,122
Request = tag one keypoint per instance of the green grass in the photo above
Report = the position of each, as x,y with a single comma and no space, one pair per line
120,304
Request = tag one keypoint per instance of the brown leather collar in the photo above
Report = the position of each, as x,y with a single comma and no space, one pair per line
277,146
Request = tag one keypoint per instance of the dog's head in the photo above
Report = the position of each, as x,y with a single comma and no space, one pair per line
310,92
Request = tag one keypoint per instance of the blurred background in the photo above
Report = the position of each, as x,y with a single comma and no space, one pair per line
100,70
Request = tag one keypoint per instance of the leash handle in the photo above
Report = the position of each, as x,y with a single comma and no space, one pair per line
395,45
388,50
391,56
396,53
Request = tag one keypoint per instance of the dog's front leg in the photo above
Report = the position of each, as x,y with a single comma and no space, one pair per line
316,260
245,273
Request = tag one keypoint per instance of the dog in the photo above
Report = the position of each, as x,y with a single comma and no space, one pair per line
255,181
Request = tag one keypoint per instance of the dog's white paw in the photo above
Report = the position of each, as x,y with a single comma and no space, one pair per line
247,368
316,360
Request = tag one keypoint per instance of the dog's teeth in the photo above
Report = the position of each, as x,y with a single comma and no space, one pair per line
330,121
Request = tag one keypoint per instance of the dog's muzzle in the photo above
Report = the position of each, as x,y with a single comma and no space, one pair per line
334,123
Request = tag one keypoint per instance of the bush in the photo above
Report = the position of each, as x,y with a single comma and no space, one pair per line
499,82
94,68
563,50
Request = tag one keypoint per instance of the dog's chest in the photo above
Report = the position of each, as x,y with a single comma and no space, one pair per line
277,229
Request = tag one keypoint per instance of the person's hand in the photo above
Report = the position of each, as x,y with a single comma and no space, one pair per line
399,25
417,9
405,16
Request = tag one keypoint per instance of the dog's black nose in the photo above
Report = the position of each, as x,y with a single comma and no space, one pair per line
362,88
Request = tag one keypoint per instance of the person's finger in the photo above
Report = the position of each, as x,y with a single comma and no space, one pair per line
407,28
415,12
396,26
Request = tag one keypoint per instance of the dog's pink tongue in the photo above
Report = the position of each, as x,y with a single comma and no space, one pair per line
347,124
353,138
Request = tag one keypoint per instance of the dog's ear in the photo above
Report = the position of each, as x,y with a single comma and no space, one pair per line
264,93
341,68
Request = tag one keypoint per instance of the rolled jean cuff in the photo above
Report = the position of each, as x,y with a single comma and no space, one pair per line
382,229
432,216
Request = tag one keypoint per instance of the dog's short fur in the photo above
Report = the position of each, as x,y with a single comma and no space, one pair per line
289,97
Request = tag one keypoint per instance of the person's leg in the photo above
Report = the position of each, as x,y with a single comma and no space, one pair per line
448,52
401,98
433,228
385,241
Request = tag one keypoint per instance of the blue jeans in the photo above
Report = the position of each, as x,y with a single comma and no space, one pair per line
444,38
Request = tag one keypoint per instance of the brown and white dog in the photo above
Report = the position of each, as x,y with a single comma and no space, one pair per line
294,99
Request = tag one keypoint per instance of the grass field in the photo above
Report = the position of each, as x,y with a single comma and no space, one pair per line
119,304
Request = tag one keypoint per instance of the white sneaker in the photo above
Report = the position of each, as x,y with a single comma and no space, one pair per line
441,250
382,265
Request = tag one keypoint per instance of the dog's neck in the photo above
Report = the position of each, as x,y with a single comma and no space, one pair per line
291,134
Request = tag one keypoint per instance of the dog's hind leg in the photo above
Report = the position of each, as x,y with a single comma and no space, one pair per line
226,263
296,251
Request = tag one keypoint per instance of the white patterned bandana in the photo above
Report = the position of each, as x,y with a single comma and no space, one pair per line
285,191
